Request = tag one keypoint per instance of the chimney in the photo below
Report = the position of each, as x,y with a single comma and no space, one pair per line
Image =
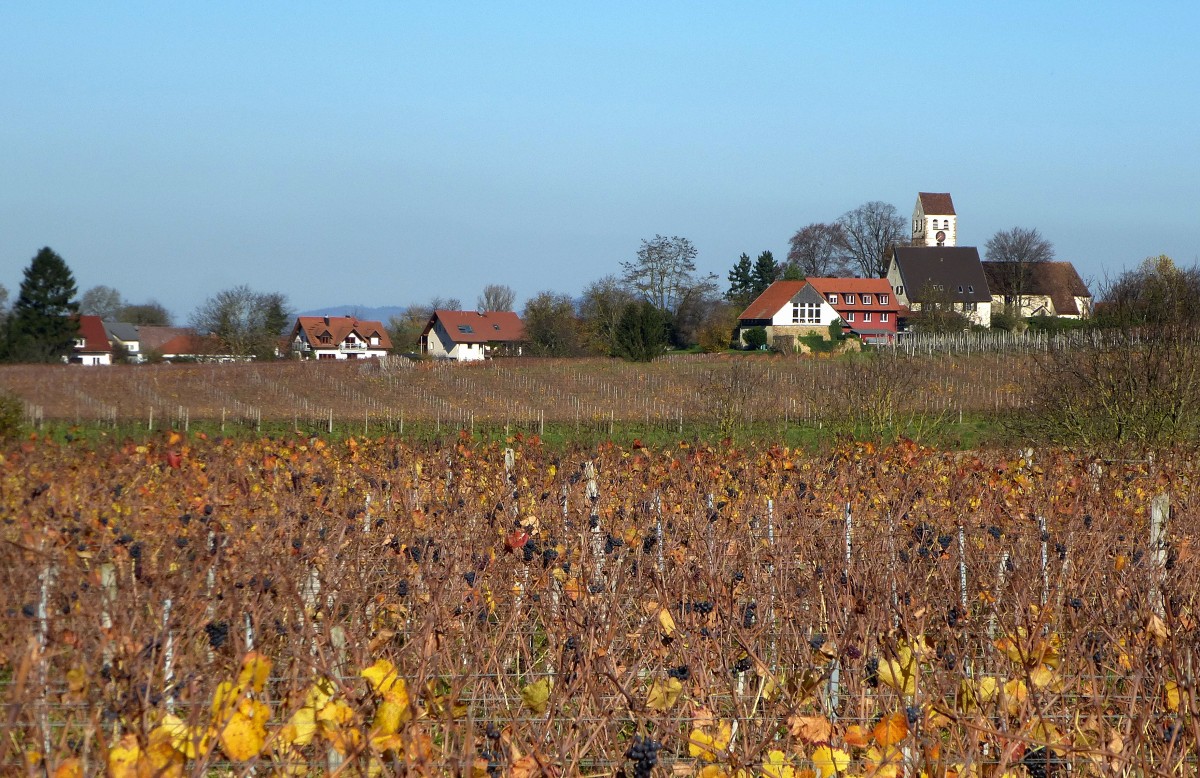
327,320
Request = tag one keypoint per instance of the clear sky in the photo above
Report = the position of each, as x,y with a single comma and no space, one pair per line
380,153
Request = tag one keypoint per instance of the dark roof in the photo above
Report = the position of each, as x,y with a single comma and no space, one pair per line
122,331
475,327
936,203
954,272
1057,280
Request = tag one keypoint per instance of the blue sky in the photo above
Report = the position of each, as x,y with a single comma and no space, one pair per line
383,153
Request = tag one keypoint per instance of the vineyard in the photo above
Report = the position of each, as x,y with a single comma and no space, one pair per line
396,396
185,603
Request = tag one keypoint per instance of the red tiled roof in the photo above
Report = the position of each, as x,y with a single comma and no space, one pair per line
475,327
338,327
936,203
189,344
95,339
857,286
152,337
772,299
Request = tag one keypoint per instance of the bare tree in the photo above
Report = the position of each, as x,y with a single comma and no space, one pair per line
871,231
496,297
664,273
152,312
247,322
405,329
819,250
102,301
600,309
1020,250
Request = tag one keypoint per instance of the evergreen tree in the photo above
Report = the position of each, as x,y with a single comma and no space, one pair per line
43,324
766,272
741,282
642,333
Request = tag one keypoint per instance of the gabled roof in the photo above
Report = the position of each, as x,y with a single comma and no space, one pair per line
936,203
858,287
338,328
189,344
95,339
943,270
774,297
1057,280
476,327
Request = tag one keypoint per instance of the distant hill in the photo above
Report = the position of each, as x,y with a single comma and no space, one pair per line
380,313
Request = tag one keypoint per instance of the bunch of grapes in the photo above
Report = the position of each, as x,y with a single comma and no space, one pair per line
644,753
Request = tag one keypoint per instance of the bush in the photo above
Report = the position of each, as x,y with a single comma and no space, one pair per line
12,415
1055,324
836,331
1004,319
754,337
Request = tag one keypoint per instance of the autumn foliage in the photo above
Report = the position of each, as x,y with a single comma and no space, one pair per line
376,607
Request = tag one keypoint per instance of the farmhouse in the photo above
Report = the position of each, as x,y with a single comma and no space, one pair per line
1038,289
788,310
867,306
338,337
468,336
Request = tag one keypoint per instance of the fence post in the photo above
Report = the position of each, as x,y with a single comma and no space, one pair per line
1160,511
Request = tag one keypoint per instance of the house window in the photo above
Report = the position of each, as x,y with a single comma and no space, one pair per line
866,299
899,291
465,329
960,288
883,298
850,316
883,317
833,299
867,316
810,313
326,338
795,313
970,306
850,298
970,289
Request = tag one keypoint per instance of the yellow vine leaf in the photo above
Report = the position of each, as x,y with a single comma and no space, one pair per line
389,716
256,668
900,673
335,723
161,756
69,768
192,742
830,762
775,765
885,763
1171,695
703,745
244,733
856,737
536,696
712,771
663,694
124,758
383,677
299,729
1015,694
666,622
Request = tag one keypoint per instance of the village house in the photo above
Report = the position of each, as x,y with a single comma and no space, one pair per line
338,337
469,336
91,343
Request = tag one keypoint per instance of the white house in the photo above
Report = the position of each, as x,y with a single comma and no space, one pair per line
468,336
934,222
951,278
338,337
91,343
787,310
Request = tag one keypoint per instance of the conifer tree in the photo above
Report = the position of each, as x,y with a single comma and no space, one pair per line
43,324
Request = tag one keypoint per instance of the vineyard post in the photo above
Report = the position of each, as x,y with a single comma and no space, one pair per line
996,599
108,596
658,532
150,423
593,495
1045,538
47,580
331,420
187,419
168,657
222,418
210,584
771,574
892,571
249,631
962,569
835,674
1160,511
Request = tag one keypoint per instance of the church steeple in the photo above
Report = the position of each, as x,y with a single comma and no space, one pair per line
934,221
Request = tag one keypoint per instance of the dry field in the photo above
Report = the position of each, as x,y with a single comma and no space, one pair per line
188,605
526,393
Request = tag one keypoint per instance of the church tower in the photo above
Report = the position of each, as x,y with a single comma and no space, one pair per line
934,221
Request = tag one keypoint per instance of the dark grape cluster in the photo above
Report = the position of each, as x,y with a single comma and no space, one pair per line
218,633
648,543
742,665
1040,763
703,607
995,532
872,672
681,673
612,543
817,641
750,614
644,753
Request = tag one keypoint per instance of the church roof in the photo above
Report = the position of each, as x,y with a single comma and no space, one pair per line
936,203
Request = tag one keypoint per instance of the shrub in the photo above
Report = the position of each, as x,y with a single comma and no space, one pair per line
754,337
12,415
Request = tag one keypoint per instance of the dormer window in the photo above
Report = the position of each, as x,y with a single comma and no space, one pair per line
866,299
833,299
849,298
883,299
